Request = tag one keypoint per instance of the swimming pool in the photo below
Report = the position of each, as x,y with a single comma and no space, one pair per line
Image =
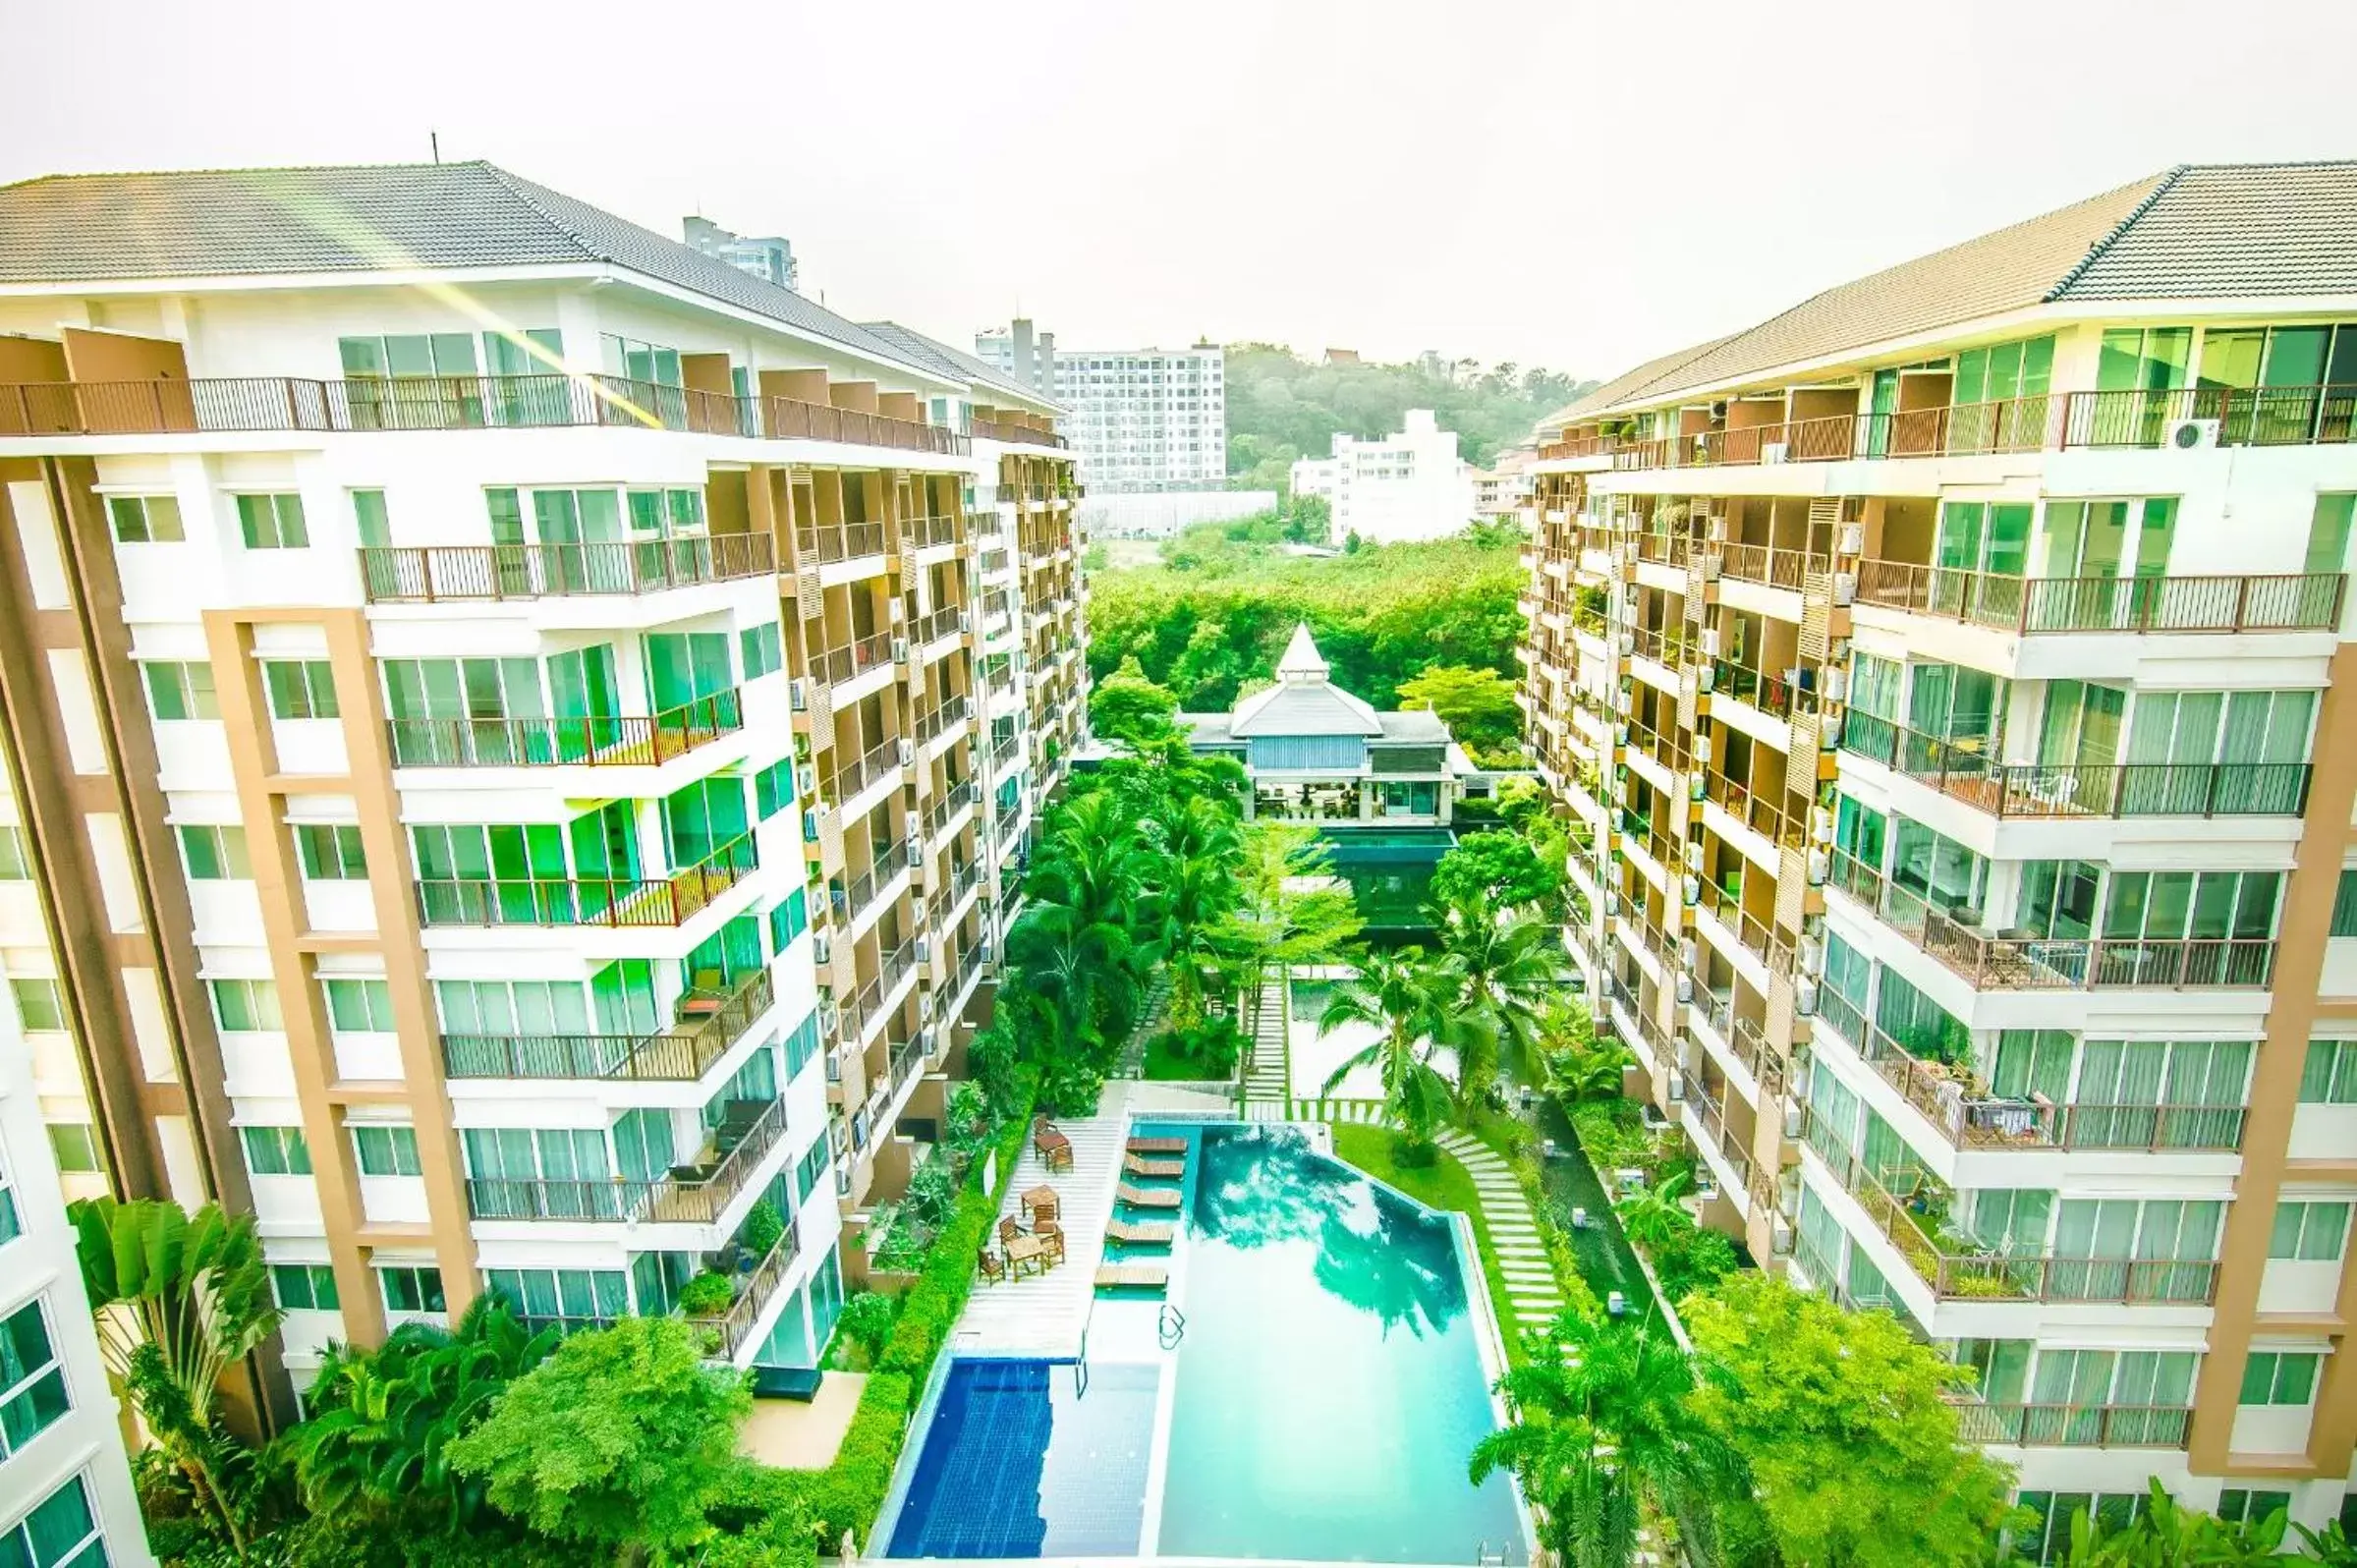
1318,1404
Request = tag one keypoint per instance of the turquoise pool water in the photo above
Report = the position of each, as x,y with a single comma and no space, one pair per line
1328,1386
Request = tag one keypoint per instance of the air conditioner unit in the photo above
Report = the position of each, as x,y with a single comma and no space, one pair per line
986,950
1707,679
900,650
1677,1091
1804,997
908,750
1683,985
1692,887
1701,746
822,947
915,854
1851,541
895,611
2191,435
1812,955
1694,787
1694,858
1845,588
925,949
799,693
1772,451
1793,1111
1628,643
1710,642
1820,824
1837,685
925,1043
1779,1237
1821,864
1688,954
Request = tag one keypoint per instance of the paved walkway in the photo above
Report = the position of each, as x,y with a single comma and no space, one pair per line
1533,1297
1154,1017
1268,1086
1047,1314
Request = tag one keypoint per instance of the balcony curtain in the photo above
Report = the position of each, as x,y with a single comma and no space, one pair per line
2032,1061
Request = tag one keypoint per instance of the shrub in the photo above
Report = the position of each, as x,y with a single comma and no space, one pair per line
708,1295
932,1197
762,1229
867,1322
1070,1088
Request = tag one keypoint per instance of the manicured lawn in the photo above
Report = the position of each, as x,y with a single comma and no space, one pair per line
1444,1184
1165,1063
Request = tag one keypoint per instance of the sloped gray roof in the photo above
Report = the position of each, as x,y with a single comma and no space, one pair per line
361,218
953,364
2230,231
1414,727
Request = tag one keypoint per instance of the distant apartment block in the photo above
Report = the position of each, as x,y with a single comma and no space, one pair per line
1503,489
1958,680
1411,485
509,774
769,258
1139,420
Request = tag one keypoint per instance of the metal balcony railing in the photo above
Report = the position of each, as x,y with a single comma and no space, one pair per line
2307,601
690,1194
2027,1426
827,543
429,574
594,741
1965,771
682,1053
673,900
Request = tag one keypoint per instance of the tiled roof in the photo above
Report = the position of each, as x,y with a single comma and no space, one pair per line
1625,386
361,218
952,362
2232,230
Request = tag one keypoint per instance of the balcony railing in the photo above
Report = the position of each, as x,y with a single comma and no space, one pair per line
1965,771
1758,813
1014,435
852,777
835,666
736,1325
2041,605
689,1196
2073,1426
2270,415
962,881
240,404
861,894
403,574
946,621
1769,694
586,900
2060,963
1746,928
840,541
680,1054
594,741
1776,566
928,533
1706,1115
955,801
949,712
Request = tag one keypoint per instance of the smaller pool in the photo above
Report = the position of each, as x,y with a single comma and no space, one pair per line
1017,1463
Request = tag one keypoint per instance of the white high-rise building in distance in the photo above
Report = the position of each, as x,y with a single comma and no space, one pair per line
1142,421
768,256
1412,485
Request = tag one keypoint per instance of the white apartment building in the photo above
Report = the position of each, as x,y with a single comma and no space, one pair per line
1955,677
768,256
1411,485
1503,489
1139,420
506,699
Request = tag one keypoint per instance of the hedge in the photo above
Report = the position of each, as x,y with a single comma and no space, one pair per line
814,1507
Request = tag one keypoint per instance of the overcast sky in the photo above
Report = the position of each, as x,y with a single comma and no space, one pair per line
1562,182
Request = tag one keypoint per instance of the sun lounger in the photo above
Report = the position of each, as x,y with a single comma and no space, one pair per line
1138,1166
1148,1197
1157,1146
1140,1277
1155,1234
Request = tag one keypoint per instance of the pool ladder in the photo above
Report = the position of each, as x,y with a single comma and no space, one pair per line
1170,1326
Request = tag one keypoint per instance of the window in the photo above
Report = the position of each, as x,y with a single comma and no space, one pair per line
800,1046
387,1152
789,919
214,854
575,1294
368,518
812,1168
305,1287
2238,1504
774,789
246,1004
33,1386
764,650
143,519
60,1533
442,354
640,361
330,851
300,688
412,1290
2204,905
276,1150
2344,904
359,1006
39,1003
273,521
2331,1075
2280,1378
2310,1233
11,1227
15,864
180,690
75,1147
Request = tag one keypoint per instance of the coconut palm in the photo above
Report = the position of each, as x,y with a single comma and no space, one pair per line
1513,970
1413,999
1192,857
1601,1438
1080,970
1089,862
179,1300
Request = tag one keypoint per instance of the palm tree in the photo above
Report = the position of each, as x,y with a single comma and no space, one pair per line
1412,1001
1514,971
1601,1436
1653,1217
178,1299
1089,862
1079,970
1192,854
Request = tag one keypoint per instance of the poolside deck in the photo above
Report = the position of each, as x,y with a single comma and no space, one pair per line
1046,1314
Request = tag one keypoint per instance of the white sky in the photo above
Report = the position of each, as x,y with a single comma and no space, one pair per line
1564,182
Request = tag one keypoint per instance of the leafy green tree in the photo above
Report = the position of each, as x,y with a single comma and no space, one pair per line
1653,1217
179,1300
1413,999
1290,910
1513,969
1282,407
1477,705
1127,706
1839,1418
1501,864
1191,855
1602,1435
620,1440
2164,1534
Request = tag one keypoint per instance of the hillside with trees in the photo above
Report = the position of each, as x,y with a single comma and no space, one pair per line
1282,407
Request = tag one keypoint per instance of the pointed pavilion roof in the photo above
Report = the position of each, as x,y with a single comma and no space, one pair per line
1304,702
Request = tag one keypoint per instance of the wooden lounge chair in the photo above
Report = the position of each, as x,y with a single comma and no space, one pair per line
1137,1276
1157,1146
1155,1234
1008,1230
1138,1166
1056,1152
1051,1237
1148,1197
1045,1210
994,1266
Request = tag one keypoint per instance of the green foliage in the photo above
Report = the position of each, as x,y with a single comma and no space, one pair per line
1511,969
1840,1419
1499,864
864,1326
1205,624
1127,706
1210,1050
1281,407
708,1295
932,1197
1477,705
762,1229
1416,1002
623,1439
1289,908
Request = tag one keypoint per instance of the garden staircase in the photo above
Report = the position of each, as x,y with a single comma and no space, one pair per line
1533,1299
1154,1017
1269,1078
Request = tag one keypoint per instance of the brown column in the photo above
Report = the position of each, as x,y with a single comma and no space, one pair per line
2274,1099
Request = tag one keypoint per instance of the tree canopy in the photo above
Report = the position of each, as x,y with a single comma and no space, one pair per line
1477,705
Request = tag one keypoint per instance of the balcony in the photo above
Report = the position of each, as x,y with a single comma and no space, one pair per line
864,889
2274,415
947,620
401,573
698,1192
1014,435
962,881
587,900
1706,1119
2060,963
1964,771
591,742
2055,605
2072,1426
1770,565
951,712
734,1325
865,772
936,820
829,542
835,666
929,532
708,1026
